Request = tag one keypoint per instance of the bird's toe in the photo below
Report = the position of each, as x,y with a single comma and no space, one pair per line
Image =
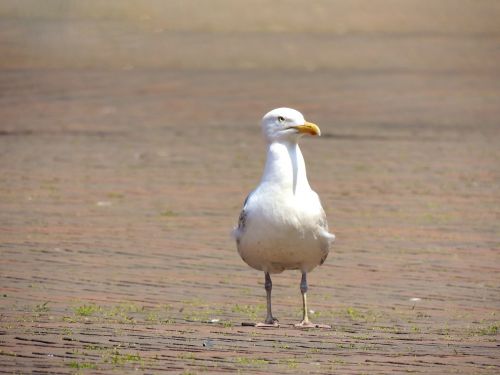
274,324
308,324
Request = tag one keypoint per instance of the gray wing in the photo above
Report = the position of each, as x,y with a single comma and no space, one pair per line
246,199
240,229
323,224
242,221
328,237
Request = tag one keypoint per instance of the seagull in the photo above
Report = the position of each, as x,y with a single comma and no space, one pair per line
282,225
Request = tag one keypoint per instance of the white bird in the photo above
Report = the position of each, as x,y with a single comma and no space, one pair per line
282,225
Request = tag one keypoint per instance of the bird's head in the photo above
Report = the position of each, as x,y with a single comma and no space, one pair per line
286,124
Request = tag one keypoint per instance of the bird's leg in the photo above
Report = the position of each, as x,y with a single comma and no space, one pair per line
303,290
270,320
269,286
306,323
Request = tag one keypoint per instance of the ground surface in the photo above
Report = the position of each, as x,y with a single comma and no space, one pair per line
123,173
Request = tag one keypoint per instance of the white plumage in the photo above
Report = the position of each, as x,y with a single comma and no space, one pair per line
282,225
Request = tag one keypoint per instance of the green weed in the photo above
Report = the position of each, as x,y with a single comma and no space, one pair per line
354,314
116,358
41,308
82,365
87,310
492,329
251,361
251,311
187,356
290,363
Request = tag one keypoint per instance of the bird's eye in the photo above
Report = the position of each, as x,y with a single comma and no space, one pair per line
281,119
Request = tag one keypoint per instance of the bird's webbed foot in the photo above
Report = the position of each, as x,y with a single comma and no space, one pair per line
309,324
270,322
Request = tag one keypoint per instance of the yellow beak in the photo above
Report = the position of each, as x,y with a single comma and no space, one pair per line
308,128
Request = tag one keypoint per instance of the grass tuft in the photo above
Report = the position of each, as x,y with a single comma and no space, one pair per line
492,329
87,310
43,307
251,361
82,365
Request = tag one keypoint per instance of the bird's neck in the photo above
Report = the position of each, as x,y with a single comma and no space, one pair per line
285,168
